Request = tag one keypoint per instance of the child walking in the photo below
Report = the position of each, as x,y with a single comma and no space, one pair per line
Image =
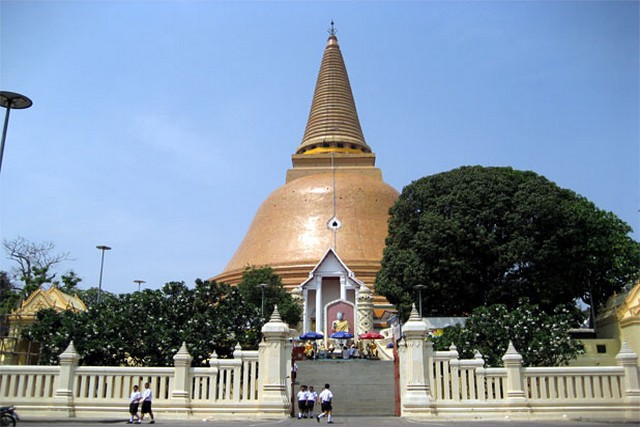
325,399
147,397
312,396
134,402
302,402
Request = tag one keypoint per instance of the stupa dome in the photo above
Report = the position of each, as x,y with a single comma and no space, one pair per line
298,222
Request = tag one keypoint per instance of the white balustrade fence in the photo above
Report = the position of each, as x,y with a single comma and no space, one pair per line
454,388
225,388
257,383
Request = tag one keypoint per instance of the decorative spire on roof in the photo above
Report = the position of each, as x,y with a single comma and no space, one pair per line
333,125
333,30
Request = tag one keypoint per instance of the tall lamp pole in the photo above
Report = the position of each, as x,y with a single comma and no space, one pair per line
103,248
262,287
11,100
139,282
419,289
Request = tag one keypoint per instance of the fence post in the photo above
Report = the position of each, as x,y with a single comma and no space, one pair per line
515,396
181,393
629,362
213,377
65,393
454,370
237,372
416,393
274,355
474,386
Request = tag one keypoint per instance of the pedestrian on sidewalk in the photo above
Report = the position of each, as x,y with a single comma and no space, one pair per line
147,397
302,402
312,396
325,399
134,403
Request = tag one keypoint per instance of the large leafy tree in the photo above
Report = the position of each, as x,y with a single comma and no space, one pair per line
541,338
274,294
147,328
491,235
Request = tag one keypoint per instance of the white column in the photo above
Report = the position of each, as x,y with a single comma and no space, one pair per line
274,354
319,310
629,362
343,288
516,397
306,321
414,361
64,393
181,394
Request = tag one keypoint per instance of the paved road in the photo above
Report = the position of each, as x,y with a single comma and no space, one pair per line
338,421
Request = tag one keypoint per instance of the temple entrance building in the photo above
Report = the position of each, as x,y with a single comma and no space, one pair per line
334,300
333,198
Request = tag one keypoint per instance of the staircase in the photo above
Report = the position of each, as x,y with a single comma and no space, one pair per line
359,387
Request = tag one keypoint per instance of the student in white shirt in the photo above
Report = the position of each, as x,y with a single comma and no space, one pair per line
302,402
147,397
312,396
134,402
325,399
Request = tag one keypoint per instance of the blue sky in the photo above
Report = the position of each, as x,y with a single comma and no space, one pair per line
158,127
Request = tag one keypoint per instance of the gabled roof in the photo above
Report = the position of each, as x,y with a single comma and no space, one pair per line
328,256
49,298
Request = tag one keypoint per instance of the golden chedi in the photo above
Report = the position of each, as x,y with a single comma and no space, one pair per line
334,196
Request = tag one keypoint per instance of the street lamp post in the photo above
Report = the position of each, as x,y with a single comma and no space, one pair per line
103,248
262,287
420,288
139,282
11,100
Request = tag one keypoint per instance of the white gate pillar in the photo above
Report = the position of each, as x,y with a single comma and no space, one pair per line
274,357
415,393
64,394
629,362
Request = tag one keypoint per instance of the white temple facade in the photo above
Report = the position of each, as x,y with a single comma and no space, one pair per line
332,288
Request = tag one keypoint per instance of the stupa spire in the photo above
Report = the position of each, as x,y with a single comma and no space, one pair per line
333,125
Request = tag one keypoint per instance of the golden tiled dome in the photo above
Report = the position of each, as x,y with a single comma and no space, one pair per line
293,228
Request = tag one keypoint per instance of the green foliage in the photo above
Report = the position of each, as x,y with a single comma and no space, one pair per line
147,328
53,331
542,339
274,294
70,281
9,296
32,282
480,236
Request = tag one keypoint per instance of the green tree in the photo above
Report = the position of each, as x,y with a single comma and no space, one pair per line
542,339
486,235
274,294
70,281
221,319
147,328
9,300
53,331
9,296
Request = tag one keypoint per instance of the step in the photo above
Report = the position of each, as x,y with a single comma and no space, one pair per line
360,387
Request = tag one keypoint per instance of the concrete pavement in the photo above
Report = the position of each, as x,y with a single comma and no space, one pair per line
338,421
